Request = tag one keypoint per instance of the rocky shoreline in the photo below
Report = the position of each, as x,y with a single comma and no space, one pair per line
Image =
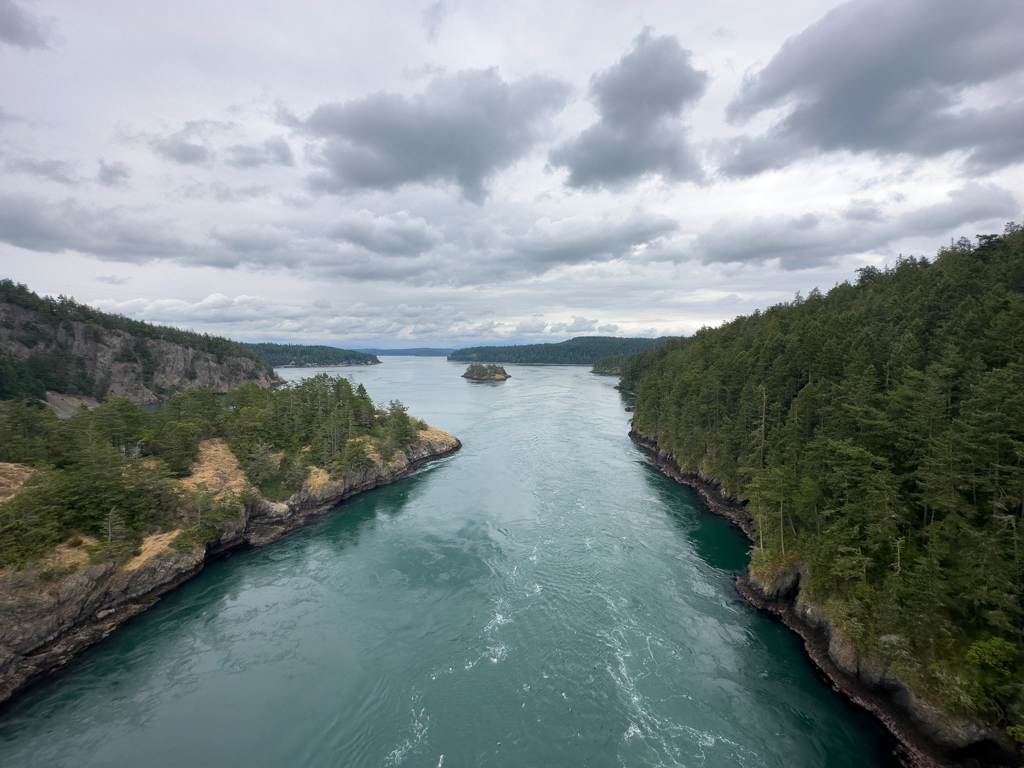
44,629
930,738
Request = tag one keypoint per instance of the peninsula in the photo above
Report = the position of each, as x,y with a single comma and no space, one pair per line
106,510
582,350
310,355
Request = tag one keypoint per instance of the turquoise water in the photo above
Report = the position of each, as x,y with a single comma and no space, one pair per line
541,598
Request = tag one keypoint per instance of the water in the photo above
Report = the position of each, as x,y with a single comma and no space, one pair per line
542,598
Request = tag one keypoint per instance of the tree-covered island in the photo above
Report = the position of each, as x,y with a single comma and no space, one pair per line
479,372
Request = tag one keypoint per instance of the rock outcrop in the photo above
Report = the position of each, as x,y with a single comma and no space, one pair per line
929,735
46,617
102,360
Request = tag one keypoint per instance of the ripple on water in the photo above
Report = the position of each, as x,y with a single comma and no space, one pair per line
541,598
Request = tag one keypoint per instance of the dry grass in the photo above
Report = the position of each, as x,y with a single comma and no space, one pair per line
66,556
217,469
12,480
317,480
151,546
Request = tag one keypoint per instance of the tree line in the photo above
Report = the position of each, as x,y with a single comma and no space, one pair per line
583,350
876,434
309,354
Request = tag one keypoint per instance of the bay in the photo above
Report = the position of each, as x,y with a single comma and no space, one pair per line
541,598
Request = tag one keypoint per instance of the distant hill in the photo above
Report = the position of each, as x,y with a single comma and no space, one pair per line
583,350
58,345
301,355
610,365
411,352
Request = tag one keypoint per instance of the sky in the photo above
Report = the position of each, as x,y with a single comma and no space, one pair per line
464,172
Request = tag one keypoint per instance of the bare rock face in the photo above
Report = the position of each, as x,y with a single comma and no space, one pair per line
112,359
43,624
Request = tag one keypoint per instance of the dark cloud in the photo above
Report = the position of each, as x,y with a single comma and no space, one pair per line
396,235
800,242
640,100
889,78
60,171
273,151
20,28
463,129
35,225
580,239
113,174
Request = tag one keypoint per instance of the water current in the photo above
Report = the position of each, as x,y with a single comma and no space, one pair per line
541,598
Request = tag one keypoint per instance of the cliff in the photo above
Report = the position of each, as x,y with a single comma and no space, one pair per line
68,348
930,736
54,609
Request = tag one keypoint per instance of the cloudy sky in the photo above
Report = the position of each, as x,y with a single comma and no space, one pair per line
461,171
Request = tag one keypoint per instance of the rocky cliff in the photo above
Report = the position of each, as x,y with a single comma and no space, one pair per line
85,358
929,735
50,612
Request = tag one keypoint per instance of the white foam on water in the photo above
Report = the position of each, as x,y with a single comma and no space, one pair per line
420,726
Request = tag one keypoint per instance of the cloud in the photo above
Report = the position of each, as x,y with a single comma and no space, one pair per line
607,328
34,225
972,202
433,17
188,146
61,171
813,239
113,174
639,100
273,151
578,325
889,78
462,129
588,238
20,28
533,325
397,235
112,279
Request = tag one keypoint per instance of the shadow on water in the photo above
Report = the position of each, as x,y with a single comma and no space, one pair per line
722,545
717,541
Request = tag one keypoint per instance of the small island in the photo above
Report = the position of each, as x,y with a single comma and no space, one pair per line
479,372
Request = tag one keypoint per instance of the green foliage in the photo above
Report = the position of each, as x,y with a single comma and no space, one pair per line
610,364
312,355
106,472
583,350
879,430
485,372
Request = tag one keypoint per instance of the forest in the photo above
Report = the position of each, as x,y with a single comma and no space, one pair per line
51,364
309,354
610,364
583,350
109,473
876,434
